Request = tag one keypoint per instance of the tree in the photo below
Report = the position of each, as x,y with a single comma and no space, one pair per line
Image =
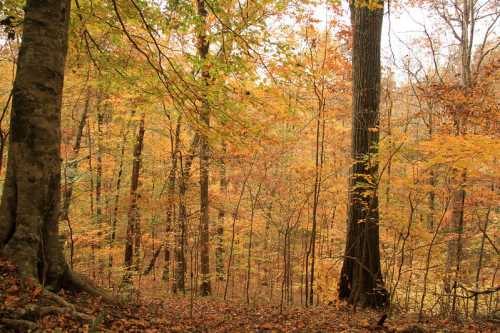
174,143
186,163
29,209
203,49
219,247
70,169
30,204
132,245
361,278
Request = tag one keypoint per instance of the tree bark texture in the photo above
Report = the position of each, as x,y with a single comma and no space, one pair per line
30,205
361,278
203,48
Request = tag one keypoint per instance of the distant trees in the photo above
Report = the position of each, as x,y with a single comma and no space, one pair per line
361,276
456,94
247,150
133,238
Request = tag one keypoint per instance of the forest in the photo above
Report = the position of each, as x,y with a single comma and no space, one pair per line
249,165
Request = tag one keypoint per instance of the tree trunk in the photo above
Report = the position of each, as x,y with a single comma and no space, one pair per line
203,47
119,175
98,185
455,245
70,173
170,198
4,134
233,232
480,260
319,158
98,178
219,250
132,244
91,194
29,209
180,237
72,164
253,205
361,278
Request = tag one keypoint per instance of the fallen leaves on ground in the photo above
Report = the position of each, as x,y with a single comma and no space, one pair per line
178,314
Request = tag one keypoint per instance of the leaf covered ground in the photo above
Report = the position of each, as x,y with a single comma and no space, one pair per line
25,307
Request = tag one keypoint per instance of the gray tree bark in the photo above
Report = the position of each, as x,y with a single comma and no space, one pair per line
30,204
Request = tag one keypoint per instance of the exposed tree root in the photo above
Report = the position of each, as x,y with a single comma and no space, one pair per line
76,282
45,310
19,324
58,299
66,307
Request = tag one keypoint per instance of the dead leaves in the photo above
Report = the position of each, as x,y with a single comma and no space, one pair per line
25,307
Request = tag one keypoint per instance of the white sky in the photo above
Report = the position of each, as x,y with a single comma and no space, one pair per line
398,30
402,28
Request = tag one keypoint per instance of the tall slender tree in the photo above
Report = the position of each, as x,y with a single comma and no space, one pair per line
174,142
185,163
71,165
132,245
219,247
361,278
203,48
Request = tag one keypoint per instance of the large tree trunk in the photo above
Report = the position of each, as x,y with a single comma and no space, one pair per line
203,47
361,278
29,210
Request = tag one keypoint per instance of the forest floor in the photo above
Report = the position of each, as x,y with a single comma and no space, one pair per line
25,307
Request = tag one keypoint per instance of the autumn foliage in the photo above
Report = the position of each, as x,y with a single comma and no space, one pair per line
206,151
